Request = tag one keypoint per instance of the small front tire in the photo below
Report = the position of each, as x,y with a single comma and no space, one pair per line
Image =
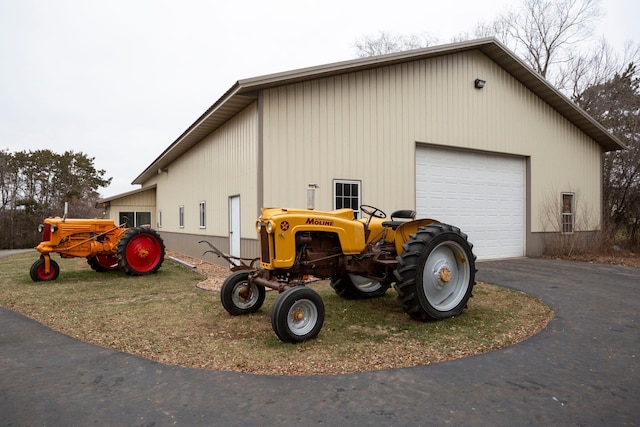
297,315
239,297
38,274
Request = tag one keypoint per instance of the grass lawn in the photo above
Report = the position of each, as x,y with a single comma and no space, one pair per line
166,318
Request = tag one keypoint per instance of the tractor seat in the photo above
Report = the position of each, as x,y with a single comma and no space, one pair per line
404,214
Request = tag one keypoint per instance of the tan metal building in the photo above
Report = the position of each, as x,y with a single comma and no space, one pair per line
464,133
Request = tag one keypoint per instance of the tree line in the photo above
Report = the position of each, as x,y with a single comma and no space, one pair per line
555,38
36,184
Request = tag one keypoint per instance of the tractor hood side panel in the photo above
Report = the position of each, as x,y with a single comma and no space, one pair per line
286,224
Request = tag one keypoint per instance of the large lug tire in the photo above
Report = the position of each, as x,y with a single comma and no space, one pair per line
238,296
297,315
140,251
102,263
358,287
37,271
435,272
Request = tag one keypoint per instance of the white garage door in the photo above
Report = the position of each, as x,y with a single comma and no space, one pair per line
481,194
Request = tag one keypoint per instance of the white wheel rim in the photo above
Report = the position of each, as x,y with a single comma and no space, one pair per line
241,301
364,284
445,277
302,317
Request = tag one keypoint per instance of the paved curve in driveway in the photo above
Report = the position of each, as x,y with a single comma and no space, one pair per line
582,370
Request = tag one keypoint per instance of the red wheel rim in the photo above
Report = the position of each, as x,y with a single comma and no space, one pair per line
143,253
109,262
44,276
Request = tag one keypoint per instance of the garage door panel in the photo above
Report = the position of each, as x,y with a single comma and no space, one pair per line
480,193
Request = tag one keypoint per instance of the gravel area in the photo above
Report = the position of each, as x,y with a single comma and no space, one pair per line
213,274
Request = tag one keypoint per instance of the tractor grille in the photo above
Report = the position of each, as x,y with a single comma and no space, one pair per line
264,246
46,232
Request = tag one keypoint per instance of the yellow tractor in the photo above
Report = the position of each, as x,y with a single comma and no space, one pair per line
107,246
430,264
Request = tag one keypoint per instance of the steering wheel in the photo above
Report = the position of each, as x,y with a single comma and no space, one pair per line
372,211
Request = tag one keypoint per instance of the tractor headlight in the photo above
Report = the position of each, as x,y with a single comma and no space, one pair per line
267,225
40,228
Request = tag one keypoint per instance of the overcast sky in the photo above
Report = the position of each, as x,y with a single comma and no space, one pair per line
120,80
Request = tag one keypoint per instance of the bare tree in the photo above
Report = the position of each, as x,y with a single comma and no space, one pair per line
386,42
555,38
595,67
549,35
546,32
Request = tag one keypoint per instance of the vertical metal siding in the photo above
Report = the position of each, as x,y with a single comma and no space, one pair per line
365,126
224,164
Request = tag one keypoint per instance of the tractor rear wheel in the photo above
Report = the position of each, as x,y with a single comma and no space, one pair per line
297,315
37,271
358,287
435,272
140,251
238,296
101,263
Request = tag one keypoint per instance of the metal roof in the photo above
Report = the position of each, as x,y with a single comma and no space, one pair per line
245,91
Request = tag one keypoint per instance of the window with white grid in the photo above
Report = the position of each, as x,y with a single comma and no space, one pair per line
568,214
346,194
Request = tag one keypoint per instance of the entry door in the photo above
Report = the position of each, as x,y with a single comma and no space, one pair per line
234,226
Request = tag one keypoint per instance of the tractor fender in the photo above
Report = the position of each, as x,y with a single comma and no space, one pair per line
404,231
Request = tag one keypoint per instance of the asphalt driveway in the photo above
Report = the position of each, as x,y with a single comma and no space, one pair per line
582,370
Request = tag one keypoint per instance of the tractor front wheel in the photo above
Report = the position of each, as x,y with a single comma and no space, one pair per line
436,273
358,287
238,296
38,273
140,251
297,315
101,263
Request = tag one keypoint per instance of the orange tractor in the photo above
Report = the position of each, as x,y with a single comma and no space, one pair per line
107,246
